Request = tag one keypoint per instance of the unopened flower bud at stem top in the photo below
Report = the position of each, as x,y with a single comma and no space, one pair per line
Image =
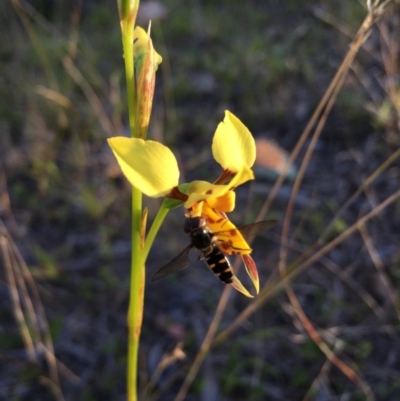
146,64
128,10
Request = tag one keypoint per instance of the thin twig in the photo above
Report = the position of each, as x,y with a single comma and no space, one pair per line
21,280
377,261
205,346
342,366
298,266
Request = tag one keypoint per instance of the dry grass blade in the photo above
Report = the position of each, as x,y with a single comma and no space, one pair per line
357,193
298,266
373,16
54,96
304,164
28,309
354,285
5,202
318,381
90,94
343,275
205,346
377,261
342,366
37,43
322,113
17,307
168,359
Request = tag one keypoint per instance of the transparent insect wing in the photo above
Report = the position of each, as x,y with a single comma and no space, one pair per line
180,262
249,231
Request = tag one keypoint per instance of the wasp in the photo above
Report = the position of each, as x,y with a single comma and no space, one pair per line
213,246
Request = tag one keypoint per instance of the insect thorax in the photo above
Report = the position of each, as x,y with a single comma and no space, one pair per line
201,238
193,223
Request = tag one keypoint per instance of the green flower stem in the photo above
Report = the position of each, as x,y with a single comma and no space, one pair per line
161,214
127,42
136,303
136,298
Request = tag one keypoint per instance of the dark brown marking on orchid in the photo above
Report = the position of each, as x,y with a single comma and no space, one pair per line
209,192
176,194
226,176
233,233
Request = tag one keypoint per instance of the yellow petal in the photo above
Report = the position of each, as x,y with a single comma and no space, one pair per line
237,285
224,203
200,190
229,239
148,165
233,146
196,210
245,174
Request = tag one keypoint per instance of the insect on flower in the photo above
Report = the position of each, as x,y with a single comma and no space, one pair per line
214,246
153,169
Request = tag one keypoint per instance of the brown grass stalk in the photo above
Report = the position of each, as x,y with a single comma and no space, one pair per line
380,268
314,335
28,309
299,266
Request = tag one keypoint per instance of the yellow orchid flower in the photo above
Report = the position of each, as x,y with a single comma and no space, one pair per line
152,168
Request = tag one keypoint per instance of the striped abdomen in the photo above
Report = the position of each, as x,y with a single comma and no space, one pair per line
219,264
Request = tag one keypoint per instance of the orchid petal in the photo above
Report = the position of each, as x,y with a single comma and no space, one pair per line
224,203
237,285
229,239
148,165
233,145
251,269
245,174
201,190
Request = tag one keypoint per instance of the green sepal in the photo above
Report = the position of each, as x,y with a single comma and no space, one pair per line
184,188
170,203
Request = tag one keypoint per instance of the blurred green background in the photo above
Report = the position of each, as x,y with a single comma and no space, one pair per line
65,204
